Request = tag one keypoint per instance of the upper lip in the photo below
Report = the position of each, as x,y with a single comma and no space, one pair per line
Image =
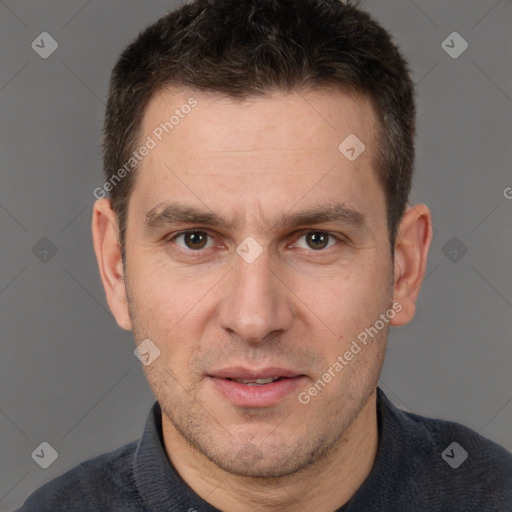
239,372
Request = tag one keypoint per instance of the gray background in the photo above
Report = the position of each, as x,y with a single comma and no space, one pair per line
68,375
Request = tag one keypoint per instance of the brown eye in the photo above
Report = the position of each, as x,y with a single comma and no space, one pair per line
193,240
317,239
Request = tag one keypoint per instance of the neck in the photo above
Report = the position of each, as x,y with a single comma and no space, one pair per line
323,486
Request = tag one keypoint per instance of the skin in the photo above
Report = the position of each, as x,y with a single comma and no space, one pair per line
299,305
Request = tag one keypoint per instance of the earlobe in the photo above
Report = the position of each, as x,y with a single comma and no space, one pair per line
108,254
411,253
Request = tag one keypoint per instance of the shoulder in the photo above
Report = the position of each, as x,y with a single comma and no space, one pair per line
104,482
462,468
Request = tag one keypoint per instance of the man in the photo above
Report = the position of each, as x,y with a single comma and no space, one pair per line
259,243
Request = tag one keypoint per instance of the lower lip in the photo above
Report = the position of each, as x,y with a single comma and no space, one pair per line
263,395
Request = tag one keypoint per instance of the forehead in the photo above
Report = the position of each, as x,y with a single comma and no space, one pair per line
270,150
260,122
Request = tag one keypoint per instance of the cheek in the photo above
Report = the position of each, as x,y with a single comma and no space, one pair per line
169,307
157,303
348,302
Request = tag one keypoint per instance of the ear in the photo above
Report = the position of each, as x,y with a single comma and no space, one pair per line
105,236
411,252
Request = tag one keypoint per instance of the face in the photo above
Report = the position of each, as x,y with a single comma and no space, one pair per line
257,250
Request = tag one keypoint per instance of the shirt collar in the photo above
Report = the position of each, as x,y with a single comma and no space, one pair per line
390,462
158,484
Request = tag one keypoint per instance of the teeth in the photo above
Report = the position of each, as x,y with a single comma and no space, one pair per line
257,381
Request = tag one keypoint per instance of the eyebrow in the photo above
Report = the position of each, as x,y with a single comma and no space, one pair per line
169,214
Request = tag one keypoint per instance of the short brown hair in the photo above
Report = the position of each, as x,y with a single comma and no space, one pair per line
252,47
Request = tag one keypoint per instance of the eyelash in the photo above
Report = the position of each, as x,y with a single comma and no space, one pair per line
193,253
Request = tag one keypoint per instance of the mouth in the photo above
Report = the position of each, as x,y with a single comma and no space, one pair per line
255,388
257,382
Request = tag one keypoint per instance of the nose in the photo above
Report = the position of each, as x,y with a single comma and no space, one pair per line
256,303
